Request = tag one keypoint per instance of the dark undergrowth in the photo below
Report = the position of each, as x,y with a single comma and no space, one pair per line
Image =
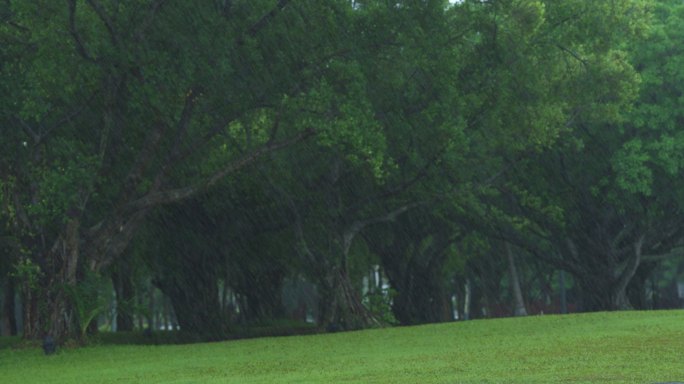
146,337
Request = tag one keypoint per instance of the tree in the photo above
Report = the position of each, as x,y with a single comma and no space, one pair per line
415,253
117,109
233,237
186,267
602,205
114,108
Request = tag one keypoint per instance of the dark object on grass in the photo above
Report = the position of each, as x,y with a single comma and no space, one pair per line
147,332
333,327
49,346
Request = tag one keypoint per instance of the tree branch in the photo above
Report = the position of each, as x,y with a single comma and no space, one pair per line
181,128
265,19
675,252
173,195
80,46
632,265
358,225
102,14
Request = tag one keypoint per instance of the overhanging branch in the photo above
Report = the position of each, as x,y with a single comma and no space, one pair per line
173,195
358,225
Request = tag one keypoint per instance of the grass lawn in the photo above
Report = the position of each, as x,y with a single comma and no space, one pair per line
620,347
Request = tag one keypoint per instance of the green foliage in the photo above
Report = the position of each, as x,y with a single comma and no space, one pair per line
631,165
90,298
28,273
471,246
63,184
404,104
379,303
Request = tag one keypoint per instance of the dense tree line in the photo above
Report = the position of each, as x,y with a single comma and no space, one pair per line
466,150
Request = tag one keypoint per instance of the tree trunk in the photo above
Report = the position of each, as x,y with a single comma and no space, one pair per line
598,293
125,295
197,308
344,309
636,289
9,319
563,292
467,300
151,309
192,287
606,290
264,296
518,302
140,317
48,308
421,297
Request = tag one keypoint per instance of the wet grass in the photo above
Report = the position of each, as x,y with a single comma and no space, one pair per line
622,347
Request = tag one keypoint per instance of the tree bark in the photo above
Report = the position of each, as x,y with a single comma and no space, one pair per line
344,309
48,308
125,295
467,299
9,319
151,309
421,297
637,288
263,296
197,307
563,292
604,290
518,301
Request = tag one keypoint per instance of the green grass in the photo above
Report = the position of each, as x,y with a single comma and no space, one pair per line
622,347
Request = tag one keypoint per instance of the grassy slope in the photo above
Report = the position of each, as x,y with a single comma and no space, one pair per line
625,347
